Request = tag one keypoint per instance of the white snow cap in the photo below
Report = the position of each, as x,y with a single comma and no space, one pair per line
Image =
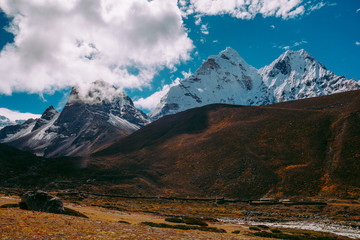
227,78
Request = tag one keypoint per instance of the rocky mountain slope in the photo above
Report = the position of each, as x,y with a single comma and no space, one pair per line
307,147
227,78
302,148
94,117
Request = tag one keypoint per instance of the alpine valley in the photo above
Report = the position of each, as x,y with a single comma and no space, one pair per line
288,129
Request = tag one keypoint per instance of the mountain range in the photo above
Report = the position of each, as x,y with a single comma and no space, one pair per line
227,78
99,115
303,148
93,118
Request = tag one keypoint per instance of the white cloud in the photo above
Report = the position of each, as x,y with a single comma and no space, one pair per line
182,3
152,101
357,43
288,47
204,29
358,10
272,26
317,6
16,115
299,43
61,43
186,74
248,9
198,20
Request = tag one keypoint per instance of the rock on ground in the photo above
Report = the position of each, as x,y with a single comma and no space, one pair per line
42,202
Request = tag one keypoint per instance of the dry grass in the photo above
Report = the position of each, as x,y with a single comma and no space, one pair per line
101,224
110,223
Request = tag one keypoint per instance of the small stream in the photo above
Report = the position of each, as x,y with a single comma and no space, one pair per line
324,226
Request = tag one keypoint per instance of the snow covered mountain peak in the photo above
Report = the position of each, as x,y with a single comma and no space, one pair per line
226,59
49,113
105,99
231,55
227,78
290,61
297,75
223,78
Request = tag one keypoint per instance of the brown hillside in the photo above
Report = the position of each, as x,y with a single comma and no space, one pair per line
307,147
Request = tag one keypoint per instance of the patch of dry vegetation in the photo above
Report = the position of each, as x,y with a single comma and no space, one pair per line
339,210
101,224
110,218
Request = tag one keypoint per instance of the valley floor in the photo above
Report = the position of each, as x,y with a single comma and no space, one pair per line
101,224
124,220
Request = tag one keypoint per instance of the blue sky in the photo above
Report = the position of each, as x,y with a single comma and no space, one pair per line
329,30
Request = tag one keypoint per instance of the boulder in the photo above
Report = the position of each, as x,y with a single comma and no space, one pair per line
42,202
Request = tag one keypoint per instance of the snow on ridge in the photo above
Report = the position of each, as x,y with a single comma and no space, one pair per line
20,133
16,115
227,78
122,123
42,131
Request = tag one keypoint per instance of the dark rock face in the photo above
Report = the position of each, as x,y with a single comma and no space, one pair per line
207,66
281,66
47,116
42,202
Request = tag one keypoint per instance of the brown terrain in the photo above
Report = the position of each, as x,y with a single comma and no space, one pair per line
308,147
298,149
116,218
183,165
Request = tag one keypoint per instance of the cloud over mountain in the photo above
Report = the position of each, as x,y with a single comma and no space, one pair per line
58,44
61,43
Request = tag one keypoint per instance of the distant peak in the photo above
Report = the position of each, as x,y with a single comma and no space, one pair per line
291,53
294,57
49,113
229,53
302,52
229,50
51,108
